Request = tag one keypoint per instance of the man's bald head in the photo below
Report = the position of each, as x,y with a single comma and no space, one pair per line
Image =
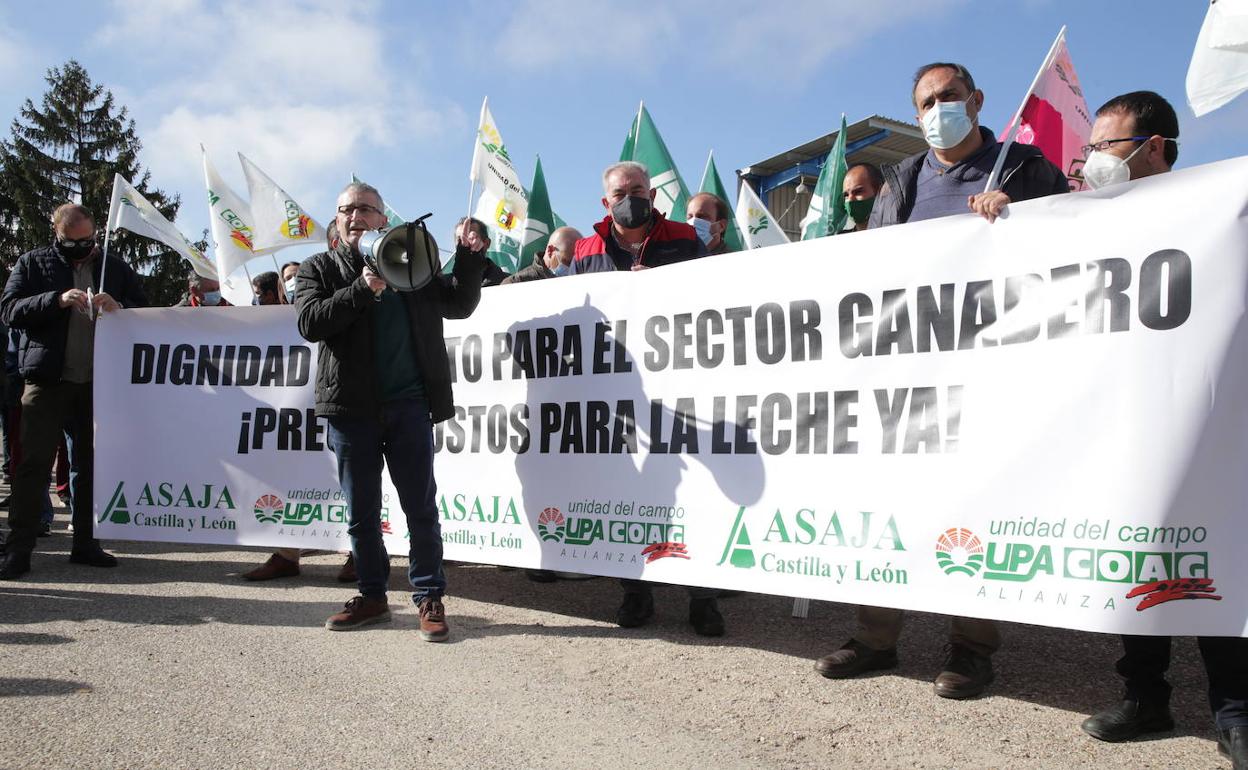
561,247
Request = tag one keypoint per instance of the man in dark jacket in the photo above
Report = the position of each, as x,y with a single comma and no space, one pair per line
382,380
52,297
950,178
555,261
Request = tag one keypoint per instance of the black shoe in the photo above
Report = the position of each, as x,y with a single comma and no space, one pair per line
966,674
94,557
14,565
541,575
1128,720
705,618
1233,744
855,658
635,610
45,529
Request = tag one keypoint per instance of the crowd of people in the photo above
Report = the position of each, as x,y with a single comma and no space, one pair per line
383,379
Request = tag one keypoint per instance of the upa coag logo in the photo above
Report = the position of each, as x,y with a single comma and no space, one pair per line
959,552
551,525
268,509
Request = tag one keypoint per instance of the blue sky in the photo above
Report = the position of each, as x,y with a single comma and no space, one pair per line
312,90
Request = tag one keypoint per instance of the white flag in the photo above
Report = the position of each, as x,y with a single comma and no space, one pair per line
1219,69
279,220
232,235
504,204
129,210
758,227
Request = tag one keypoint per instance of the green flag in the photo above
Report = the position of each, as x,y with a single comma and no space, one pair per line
826,215
711,183
392,216
644,145
541,220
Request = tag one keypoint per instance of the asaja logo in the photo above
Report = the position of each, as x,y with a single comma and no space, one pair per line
551,524
169,504
959,551
118,510
268,509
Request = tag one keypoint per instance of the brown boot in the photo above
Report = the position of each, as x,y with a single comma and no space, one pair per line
276,567
347,573
359,611
433,627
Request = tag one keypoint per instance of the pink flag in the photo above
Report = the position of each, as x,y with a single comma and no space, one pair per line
1056,117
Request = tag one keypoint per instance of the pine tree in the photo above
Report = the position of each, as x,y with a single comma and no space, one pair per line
67,149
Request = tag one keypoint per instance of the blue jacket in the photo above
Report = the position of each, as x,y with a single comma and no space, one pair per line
32,303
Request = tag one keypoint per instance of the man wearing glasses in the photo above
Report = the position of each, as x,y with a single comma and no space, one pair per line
1136,135
382,380
54,296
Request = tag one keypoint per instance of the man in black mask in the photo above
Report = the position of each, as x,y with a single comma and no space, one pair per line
633,236
54,296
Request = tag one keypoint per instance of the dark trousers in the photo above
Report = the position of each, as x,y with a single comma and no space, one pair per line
403,435
48,412
632,586
1146,658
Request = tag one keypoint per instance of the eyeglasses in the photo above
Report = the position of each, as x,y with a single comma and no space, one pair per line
1104,144
362,208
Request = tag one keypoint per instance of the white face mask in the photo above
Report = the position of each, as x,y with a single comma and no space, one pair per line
1102,169
946,124
212,298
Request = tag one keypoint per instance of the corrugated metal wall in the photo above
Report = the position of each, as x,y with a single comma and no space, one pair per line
780,202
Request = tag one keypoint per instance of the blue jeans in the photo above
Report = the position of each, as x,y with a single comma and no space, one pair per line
403,435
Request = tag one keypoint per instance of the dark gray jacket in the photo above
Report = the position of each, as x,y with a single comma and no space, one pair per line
32,303
1026,173
336,309
534,272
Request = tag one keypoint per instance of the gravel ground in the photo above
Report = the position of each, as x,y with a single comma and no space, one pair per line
171,660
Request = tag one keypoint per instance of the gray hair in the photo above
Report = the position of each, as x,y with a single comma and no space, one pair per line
363,187
625,165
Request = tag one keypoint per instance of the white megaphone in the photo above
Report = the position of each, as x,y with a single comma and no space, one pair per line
405,256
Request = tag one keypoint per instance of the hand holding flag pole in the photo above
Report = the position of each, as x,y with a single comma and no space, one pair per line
994,178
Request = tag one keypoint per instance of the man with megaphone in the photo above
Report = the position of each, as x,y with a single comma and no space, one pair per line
375,302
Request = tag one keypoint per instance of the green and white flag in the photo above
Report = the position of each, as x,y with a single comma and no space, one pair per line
393,218
758,226
541,221
230,221
645,146
129,210
826,215
503,204
711,183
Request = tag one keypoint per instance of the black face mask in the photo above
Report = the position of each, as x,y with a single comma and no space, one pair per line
75,250
631,212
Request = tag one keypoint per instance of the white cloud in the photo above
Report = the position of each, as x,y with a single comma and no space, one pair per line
541,34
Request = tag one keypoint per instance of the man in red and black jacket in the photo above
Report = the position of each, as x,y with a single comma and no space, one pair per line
633,236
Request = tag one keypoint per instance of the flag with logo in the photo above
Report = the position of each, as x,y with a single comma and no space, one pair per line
711,183
1055,115
129,210
503,204
393,218
233,235
826,214
757,226
541,220
279,220
645,146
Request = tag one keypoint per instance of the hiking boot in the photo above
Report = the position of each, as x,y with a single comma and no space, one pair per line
705,618
347,573
92,557
635,610
855,658
277,566
1128,720
360,611
966,674
433,627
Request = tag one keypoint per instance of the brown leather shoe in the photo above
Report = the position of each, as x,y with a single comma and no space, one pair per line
359,611
347,573
276,567
855,658
433,627
966,674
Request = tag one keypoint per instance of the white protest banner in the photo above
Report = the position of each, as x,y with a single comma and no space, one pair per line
1043,420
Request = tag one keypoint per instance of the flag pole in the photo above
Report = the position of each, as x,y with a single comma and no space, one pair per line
994,177
476,148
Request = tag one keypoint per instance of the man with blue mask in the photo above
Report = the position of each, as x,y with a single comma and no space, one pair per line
1136,135
950,177
555,261
709,214
202,292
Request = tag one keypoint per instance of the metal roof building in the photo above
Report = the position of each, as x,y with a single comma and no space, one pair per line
879,140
